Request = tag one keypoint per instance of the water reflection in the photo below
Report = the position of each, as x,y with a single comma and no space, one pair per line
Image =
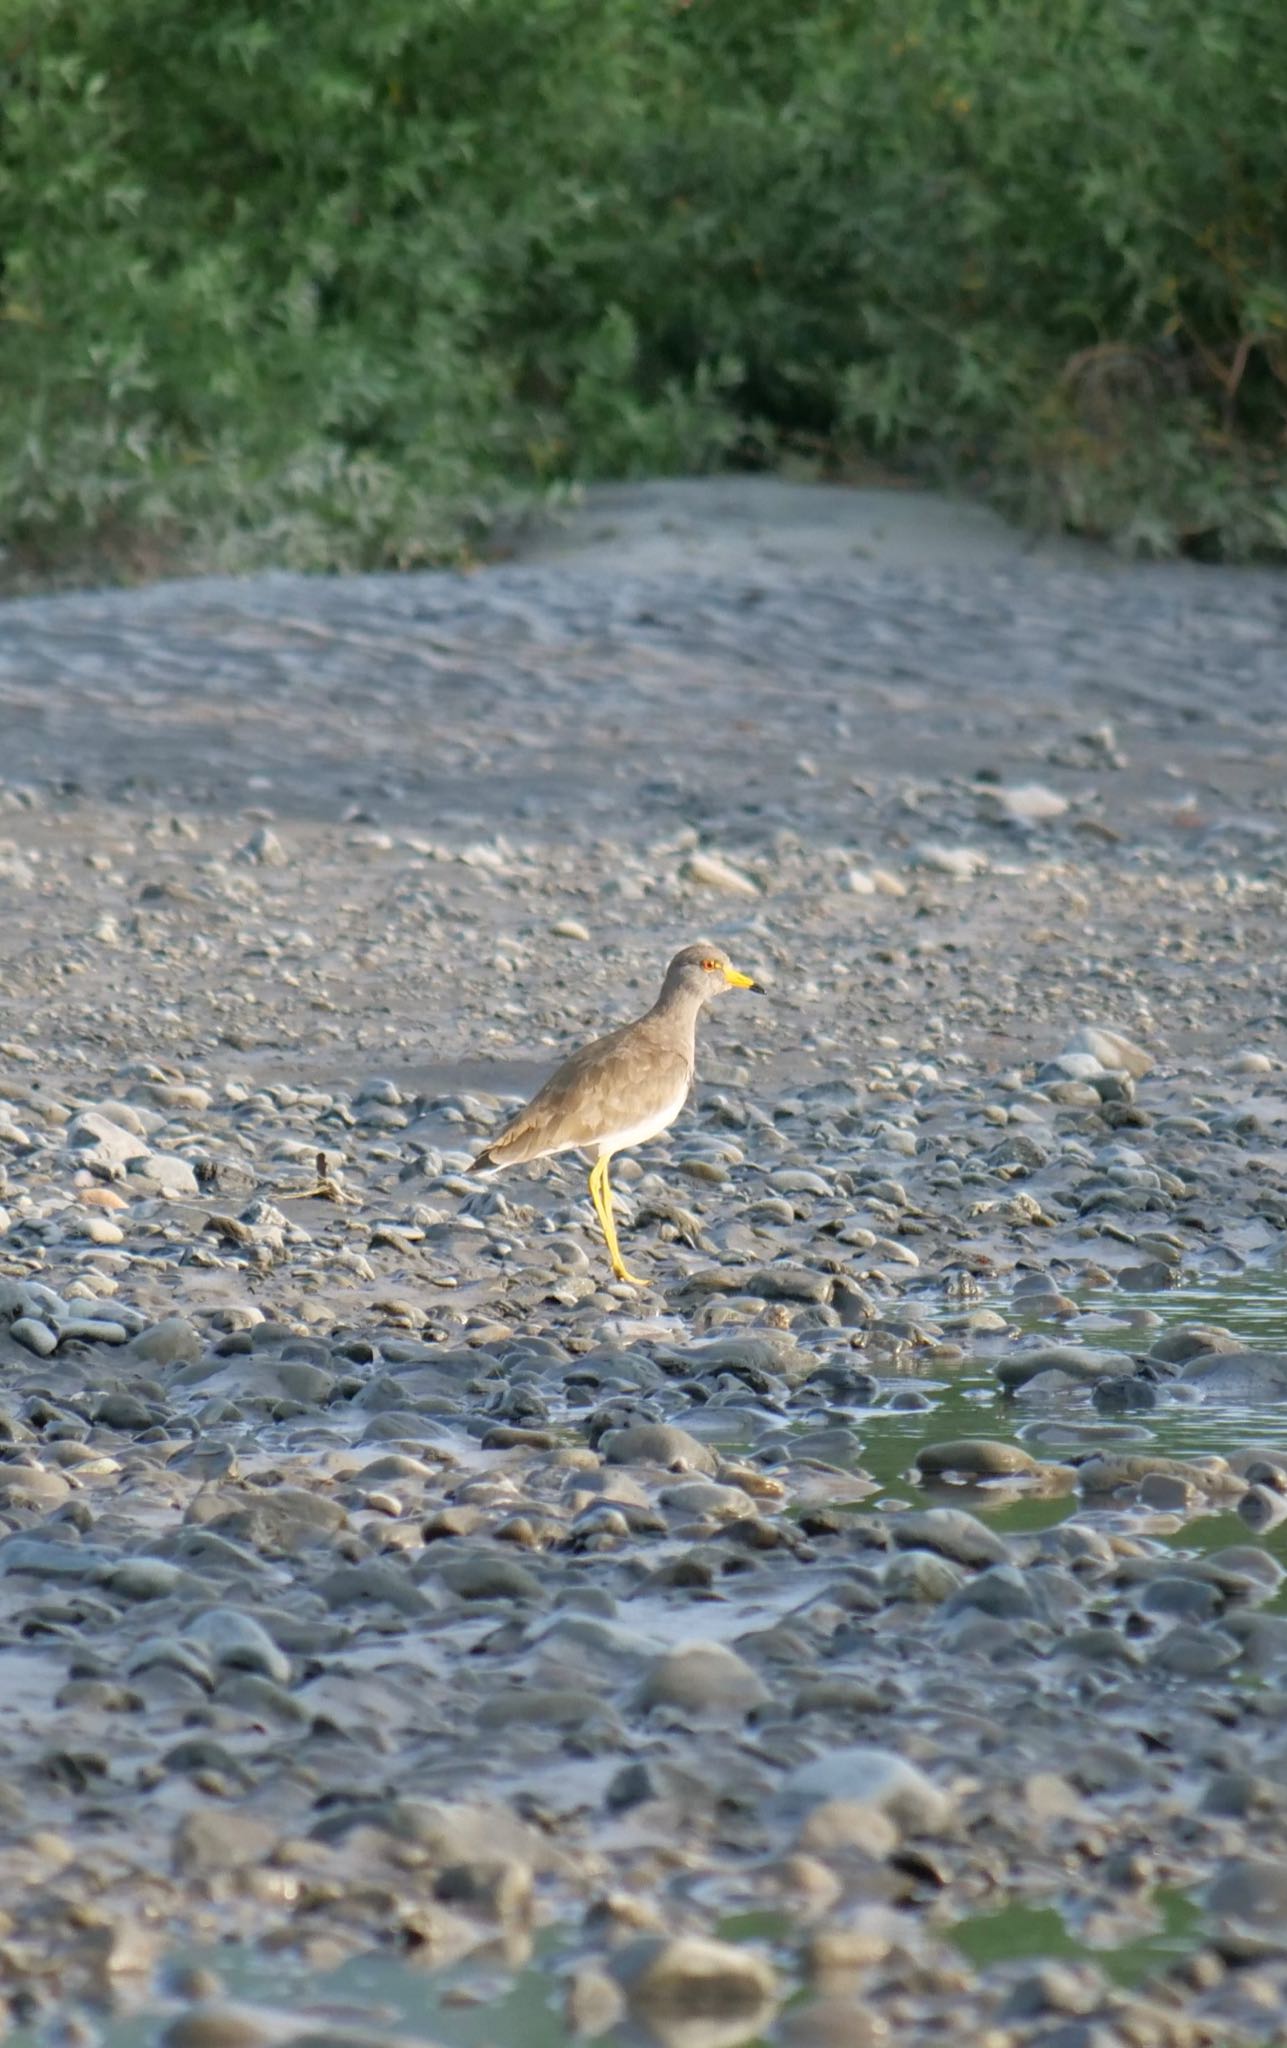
386,2001
966,1400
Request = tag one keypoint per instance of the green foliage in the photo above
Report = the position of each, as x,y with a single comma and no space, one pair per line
324,284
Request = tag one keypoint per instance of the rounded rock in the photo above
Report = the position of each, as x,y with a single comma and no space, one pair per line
862,1775
224,2026
978,1456
172,1341
34,1336
922,1577
657,1443
951,1532
704,1679
238,1642
687,1978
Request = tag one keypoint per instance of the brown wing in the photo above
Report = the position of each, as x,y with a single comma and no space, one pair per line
611,1084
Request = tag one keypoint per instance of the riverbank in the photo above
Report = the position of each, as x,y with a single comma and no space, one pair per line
359,1533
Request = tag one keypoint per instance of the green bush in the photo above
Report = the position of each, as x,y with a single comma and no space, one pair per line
326,284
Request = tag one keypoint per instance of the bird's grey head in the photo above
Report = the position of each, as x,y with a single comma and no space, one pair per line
702,971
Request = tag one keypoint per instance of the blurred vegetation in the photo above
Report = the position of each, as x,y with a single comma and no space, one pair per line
324,283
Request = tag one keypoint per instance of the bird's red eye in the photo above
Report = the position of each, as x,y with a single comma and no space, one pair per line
710,966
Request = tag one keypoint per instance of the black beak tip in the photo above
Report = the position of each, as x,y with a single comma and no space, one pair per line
756,988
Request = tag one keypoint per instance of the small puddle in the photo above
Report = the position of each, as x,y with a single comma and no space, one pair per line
470,2004
463,2005
966,1401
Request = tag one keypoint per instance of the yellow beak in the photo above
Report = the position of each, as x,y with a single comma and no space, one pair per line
736,980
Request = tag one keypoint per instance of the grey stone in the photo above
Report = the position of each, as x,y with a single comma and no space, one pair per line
169,1653
541,1706
705,1498
979,1457
172,1341
300,1381
775,1352
148,1578
1075,1362
91,1330
1098,1646
959,863
689,1978
1123,1471
1240,1794
1195,1653
263,849
1055,1987
239,1642
213,1840
871,1777
707,1680
951,1532
285,1521
999,1590
373,1585
1247,1569
218,2025
1071,1070
657,1443
16,1299
1193,1340
1123,1395
38,1558
1024,804
122,1410
922,1577
165,1171
480,1575
500,1887
103,1143
1112,1050
1238,1375
1252,1890
848,1827
244,1692
26,1486
1181,1595
838,1696
34,1336
789,1283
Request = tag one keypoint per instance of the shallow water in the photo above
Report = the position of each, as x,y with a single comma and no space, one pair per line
459,2006
968,1402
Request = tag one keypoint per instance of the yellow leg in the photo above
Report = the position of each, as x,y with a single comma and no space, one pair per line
601,1196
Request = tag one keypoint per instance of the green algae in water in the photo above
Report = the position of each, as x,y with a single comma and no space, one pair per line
1018,1933
966,1401
763,1924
